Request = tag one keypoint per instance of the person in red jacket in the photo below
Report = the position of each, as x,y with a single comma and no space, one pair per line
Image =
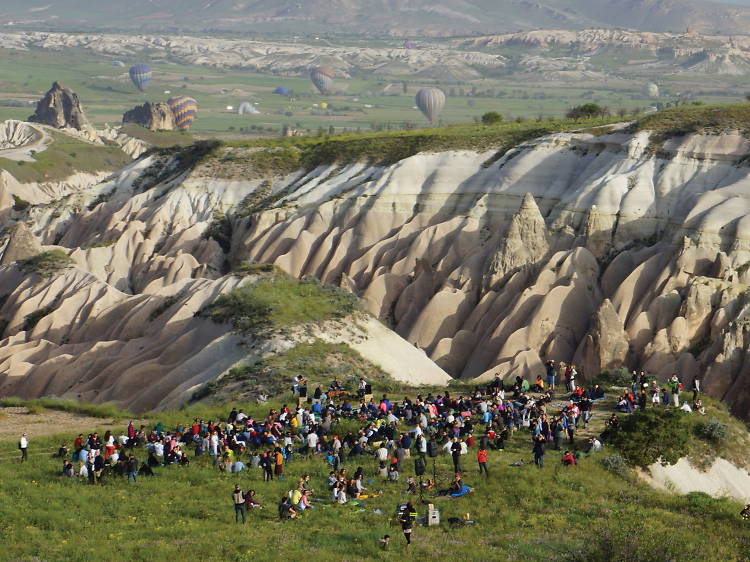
568,459
482,460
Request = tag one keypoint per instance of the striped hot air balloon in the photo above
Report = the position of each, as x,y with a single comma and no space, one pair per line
322,77
140,74
431,102
184,110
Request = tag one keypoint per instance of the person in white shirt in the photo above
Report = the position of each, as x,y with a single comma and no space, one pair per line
381,453
312,442
23,445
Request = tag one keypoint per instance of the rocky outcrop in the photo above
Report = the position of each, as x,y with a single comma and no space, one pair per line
16,134
524,244
60,108
22,244
606,346
604,253
153,116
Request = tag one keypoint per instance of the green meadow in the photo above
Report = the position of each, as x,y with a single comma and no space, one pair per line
521,513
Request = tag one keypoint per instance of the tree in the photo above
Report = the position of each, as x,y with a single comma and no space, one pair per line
650,436
491,118
585,111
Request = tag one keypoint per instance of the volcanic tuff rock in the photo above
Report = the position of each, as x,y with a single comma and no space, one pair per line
22,244
153,116
595,249
60,108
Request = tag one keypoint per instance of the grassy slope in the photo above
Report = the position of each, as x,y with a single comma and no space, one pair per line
64,157
709,119
581,513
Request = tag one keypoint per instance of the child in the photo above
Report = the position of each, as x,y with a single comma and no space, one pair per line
385,541
482,460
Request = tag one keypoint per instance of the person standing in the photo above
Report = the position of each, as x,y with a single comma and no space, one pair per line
240,508
456,454
539,450
482,460
550,368
407,518
23,445
132,468
674,386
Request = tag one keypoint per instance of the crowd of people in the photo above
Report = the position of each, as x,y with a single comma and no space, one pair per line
388,432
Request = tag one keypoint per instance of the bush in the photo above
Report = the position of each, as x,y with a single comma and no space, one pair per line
617,464
712,430
491,118
650,436
612,377
586,111
33,318
47,264
20,204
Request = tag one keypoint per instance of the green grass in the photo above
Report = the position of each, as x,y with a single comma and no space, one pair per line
107,410
47,263
521,513
708,119
319,361
158,138
278,302
64,157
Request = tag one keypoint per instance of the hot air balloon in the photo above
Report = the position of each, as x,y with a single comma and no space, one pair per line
322,77
431,102
281,91
651,90
140,74
184,110
246,108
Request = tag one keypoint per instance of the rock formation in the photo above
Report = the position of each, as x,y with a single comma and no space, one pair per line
153,116
60,108
603,253
22,244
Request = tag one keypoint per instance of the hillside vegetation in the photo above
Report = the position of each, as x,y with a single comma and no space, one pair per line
64,157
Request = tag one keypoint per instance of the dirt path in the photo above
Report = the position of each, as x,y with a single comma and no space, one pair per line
14,421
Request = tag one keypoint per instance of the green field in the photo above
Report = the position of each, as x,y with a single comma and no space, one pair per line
107,93
522,513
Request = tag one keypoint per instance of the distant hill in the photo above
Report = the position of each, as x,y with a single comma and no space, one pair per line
378,17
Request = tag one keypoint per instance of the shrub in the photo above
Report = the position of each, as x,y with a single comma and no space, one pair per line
33,318
47,263
650,436
617,464
712,430
20,204
491,118
220,229
612,377
586,111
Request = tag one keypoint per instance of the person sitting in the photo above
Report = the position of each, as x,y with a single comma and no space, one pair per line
411,486
745,513
250,501
304,502
286,510
539,384
568,459
698,407
596,393
594,445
